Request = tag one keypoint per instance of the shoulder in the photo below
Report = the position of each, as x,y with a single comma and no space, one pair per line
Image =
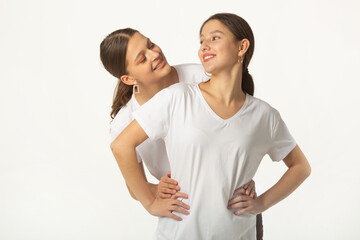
262,107
180,88
123,117
189,67
191,72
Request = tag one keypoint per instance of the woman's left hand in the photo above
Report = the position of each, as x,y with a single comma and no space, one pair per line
247,190
247,205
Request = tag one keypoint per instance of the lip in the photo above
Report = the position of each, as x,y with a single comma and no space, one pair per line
160,64
211,56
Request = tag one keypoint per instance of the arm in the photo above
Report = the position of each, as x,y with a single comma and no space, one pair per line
298,170
123,149
153,187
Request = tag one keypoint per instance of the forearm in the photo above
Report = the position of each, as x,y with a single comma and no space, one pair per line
131,171
292,179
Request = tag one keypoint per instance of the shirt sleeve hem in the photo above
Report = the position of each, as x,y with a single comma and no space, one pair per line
284,153
143,126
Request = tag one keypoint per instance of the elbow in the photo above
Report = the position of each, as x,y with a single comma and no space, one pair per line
307,170
115,147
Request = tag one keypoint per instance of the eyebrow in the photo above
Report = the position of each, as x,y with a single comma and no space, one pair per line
142,52
215,31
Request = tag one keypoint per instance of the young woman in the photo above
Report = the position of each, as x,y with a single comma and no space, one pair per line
216,134
146,72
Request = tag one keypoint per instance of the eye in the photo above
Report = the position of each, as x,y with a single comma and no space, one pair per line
215,38
151,45
143,60
201,41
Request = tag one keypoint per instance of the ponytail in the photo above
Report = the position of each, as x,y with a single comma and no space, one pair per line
113,56
247,84
122,95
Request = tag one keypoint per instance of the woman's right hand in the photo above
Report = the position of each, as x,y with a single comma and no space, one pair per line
164,207
167,187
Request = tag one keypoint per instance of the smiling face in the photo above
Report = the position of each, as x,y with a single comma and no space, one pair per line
218,50
145,61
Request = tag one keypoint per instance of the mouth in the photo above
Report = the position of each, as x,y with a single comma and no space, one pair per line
160,64
207,57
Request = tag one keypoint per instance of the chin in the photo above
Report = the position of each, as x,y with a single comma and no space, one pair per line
167,68
209,69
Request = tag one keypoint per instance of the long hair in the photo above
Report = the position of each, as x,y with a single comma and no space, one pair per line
113,57
241,30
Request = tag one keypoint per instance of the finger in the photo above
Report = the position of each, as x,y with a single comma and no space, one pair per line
239,191
240,198
169,185
251,186
239,205
169,174
252,193
181,204
167,190
169,180
242,211
175,217
181,195
246,185
180,210
164,196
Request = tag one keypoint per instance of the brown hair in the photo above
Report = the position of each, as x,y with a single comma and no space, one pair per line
113,57
240,29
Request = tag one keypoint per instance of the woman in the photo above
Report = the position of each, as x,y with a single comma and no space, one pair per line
151,74
221,127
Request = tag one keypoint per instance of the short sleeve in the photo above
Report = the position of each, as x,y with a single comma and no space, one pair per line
114,134
154,115
282,143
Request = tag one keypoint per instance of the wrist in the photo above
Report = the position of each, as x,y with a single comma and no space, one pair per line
147,204
154,188
264,204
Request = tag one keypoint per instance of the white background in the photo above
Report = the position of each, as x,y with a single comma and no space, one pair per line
58,178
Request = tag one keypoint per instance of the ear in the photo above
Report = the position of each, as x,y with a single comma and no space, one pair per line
128,80
243,47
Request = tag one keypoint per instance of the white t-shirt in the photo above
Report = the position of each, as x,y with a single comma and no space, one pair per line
153,153
211,157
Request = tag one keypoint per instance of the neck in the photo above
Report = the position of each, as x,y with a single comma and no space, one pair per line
148,91
225,86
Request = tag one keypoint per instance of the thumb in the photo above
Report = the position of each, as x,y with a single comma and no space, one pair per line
169,174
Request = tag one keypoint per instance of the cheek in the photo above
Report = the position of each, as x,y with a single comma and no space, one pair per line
141,72
199,54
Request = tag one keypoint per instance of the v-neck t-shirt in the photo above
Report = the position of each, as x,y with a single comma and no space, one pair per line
211,157
153,153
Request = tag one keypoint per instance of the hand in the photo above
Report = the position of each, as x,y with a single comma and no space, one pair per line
167,187
247,205
165,207
249,189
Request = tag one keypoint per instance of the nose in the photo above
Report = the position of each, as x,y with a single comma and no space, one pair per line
204,46
154,54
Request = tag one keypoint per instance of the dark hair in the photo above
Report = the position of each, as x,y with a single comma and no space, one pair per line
240,29
113,57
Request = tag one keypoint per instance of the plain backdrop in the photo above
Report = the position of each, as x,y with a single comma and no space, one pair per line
58,178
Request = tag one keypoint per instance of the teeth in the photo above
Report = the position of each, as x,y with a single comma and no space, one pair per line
207,57
157,65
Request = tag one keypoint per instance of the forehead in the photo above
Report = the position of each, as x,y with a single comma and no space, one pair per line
135,45
214,25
